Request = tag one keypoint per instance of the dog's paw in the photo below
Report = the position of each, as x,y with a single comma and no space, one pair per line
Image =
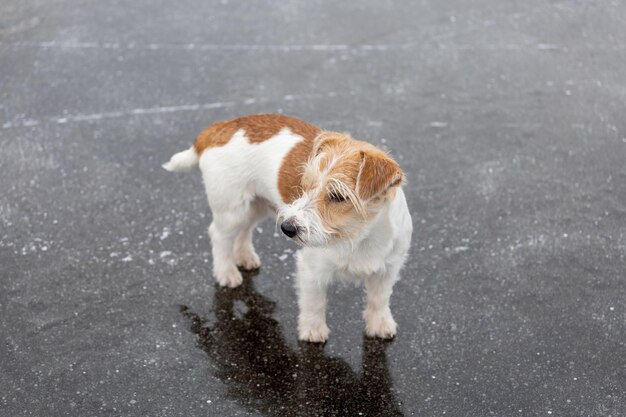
315,333
379,324
248,260
229,277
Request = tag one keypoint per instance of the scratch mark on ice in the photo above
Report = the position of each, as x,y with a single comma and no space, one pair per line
156,110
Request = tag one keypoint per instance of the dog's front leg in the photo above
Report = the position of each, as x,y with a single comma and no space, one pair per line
378,319
313,276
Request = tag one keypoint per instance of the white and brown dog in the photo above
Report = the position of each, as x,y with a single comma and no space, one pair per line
340,199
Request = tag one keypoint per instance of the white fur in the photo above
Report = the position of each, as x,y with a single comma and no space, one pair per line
375,258
182,160
241,181
304,212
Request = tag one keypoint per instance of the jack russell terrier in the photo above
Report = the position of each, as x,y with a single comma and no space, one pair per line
338,198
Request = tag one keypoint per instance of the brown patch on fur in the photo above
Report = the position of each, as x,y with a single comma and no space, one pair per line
378,173
290,173
292,167
327,139
257,127
218,134
361,173
340,218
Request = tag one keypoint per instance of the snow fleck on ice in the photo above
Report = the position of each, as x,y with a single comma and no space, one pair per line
165,253
438,124
547,46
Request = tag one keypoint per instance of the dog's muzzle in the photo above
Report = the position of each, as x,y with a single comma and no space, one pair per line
289,228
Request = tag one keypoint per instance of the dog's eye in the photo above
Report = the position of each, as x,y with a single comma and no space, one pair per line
336,197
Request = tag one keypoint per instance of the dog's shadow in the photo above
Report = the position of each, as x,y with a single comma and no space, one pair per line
263,374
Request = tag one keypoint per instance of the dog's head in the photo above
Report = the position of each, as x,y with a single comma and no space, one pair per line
345,184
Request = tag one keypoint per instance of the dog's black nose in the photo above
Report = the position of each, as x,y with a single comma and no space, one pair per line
289,229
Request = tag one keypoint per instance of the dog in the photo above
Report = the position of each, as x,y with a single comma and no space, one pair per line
338,198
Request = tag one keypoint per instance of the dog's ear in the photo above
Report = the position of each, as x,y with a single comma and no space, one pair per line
377,174
326,139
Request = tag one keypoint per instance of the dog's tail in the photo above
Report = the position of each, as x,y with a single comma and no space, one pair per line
182,160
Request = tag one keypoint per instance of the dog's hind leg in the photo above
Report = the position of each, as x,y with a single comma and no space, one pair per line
223,231
243,251
231,207
231,239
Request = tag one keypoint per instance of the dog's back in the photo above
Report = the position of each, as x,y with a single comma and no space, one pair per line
267,147
251,166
